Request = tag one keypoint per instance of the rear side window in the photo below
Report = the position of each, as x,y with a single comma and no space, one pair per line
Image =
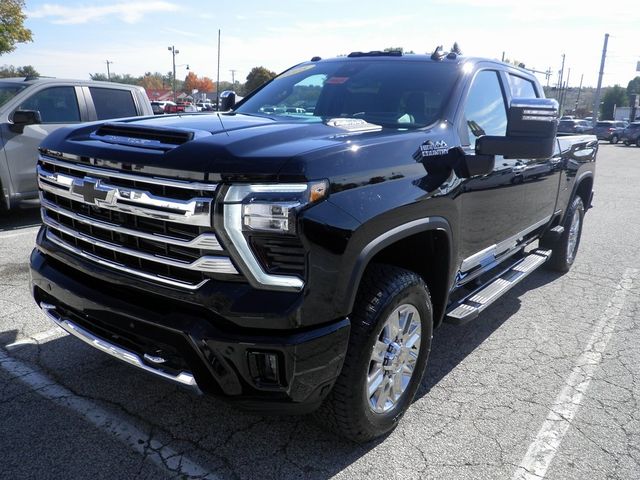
55,104
113,103
485,112
521,87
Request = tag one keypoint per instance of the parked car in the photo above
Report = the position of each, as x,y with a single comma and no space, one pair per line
631,134
31,108
172,107
295,262
610,130
159,108
204,106
190,108
574,126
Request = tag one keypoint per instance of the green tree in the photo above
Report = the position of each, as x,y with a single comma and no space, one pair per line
633,86
12,29
117,78
7,71
615,95
257,77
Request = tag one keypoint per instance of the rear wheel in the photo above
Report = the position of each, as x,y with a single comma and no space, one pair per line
626,142
614,139
638,142
564,250
390,340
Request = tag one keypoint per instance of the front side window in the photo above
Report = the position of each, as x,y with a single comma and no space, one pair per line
485,111
55,104
8,91
521,87
113,103
391,93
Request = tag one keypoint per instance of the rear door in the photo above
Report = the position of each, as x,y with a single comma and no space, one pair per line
105,103
491,207
59,106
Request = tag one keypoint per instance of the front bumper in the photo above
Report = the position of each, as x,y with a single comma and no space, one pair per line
178,345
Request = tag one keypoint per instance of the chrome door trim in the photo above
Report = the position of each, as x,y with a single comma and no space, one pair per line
489,254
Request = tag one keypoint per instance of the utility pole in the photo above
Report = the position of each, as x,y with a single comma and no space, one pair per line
564,91
579,90
174,52
548,75
218,76
233,76
596,102
560,77
503,56
108,62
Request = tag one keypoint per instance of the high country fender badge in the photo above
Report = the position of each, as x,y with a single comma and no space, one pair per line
431,149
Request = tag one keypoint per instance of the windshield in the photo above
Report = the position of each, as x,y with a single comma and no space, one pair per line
398,94
7,92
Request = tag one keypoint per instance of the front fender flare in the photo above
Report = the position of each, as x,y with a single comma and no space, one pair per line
389,238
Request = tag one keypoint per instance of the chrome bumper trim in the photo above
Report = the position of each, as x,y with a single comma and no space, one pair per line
208,264
183,378
72,159
205,241
196,211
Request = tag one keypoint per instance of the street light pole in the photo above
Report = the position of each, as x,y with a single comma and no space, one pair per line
174,52
108,72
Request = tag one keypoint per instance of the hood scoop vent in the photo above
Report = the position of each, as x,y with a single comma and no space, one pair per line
142,137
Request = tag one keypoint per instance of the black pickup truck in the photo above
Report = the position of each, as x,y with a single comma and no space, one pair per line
296,252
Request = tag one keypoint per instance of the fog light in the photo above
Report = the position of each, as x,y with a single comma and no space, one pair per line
264,367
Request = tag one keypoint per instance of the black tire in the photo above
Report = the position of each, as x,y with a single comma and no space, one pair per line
561,259
638,142
614,139
626,142
347,410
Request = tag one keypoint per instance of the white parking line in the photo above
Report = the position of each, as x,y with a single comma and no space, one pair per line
22,231
542,451
150,446
37,338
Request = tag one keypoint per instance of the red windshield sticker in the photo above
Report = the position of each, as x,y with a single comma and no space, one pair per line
336,80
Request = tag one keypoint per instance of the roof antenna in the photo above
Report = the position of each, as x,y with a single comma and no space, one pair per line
437,54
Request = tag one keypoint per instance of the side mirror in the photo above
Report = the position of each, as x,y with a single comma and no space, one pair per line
22,118
531,130
227,100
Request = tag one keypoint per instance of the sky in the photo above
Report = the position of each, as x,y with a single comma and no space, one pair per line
72,38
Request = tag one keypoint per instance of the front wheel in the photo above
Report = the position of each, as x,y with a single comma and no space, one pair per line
638,142
565,249
626,143
389,343
614,139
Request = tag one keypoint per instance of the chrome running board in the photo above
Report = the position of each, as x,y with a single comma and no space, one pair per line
473,304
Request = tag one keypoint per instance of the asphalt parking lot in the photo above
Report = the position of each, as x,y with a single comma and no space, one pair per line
545,382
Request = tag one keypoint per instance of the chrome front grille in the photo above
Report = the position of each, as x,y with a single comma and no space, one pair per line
155,228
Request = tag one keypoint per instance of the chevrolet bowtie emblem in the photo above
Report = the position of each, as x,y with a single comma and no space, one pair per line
91,190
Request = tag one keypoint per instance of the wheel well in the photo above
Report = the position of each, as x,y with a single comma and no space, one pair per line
584,191
428,255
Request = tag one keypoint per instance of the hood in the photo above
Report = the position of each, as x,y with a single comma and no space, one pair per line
216,146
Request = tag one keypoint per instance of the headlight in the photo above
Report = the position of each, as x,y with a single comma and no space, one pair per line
267,209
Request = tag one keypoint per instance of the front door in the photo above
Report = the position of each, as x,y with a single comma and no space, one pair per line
58,107
491,205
